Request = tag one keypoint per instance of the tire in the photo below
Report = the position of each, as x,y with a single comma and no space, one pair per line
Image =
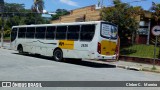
20,50
58,55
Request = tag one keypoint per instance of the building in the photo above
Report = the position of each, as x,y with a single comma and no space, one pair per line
89,13
143,33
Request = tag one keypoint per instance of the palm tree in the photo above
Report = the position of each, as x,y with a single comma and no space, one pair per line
38,6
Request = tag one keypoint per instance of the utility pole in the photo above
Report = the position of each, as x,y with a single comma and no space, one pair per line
149,26
2,18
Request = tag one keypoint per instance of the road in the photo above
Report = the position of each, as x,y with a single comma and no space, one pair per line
15,67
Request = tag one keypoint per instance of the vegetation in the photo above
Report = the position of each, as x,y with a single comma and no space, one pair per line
59,13
124,16
145,51
155,9
16,14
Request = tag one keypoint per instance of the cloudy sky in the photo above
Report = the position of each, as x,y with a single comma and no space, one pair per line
52,5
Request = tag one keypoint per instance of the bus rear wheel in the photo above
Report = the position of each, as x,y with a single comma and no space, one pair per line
58,55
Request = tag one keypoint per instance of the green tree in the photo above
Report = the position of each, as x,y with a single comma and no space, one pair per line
16,14
59,13
32,18
2,20
155,9
123,15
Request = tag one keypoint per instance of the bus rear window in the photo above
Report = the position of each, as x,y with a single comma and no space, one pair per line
109,31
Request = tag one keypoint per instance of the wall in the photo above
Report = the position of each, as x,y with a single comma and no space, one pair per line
88,13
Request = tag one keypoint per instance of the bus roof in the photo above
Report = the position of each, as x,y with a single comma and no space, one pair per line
61,24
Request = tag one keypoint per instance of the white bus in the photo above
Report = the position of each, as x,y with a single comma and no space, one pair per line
78,40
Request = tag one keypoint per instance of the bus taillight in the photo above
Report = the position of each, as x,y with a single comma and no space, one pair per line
99,48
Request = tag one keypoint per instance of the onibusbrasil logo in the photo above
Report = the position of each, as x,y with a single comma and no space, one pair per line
20,84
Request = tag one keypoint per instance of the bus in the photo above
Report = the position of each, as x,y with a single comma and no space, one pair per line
93,40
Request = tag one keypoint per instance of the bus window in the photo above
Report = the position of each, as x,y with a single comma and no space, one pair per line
87,32
50,33
73,32
30,32
109,31
40,32
61,32
13,34
114,32
22,32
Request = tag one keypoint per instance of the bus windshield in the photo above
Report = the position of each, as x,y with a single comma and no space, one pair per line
109,31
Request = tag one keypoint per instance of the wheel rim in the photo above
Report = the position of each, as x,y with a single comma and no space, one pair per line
58,55
20,50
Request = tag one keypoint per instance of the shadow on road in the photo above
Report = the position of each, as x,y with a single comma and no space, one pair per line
73,61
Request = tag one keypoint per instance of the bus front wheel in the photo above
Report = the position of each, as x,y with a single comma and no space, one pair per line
20,49
58,55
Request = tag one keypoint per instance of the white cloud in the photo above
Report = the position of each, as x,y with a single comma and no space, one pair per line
69,2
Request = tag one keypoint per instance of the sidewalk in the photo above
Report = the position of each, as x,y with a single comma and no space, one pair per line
6,45
130,65
135,66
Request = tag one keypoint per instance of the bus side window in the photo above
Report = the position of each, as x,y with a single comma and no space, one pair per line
13,34
73,32
50,32
87,32
61,32
40,32
30,32
21,32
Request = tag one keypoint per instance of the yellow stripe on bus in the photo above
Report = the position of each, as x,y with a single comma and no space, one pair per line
66,44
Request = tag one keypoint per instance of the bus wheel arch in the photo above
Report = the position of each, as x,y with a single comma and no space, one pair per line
20,48
58,54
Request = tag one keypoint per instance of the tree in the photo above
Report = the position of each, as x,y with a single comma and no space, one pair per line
16,14
33,18
38,6
155,9
2,20
59,13
37,9
124,16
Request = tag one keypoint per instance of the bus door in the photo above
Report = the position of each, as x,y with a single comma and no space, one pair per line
108,43
13,38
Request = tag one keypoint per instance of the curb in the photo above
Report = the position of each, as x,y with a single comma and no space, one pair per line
149,70
129,68
139,59
136,69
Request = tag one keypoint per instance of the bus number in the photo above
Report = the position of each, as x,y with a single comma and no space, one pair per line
84,45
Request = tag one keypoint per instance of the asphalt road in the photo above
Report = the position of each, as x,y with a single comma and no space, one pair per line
15,67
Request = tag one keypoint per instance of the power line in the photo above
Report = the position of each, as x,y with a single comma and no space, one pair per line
18,12
44,13
128,2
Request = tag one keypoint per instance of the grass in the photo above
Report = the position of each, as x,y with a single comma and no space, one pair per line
6,38
144,51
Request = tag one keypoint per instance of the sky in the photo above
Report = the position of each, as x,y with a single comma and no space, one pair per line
52,5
